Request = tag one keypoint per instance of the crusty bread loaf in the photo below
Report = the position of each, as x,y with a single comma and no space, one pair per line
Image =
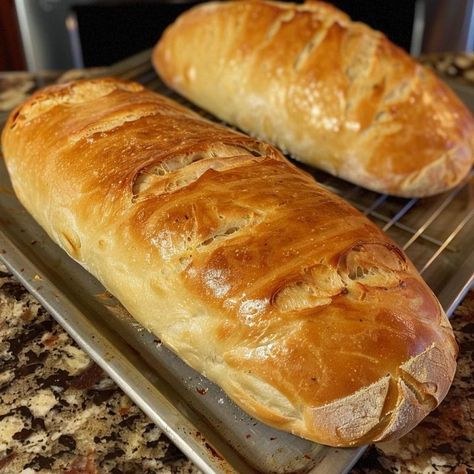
333,93
299,307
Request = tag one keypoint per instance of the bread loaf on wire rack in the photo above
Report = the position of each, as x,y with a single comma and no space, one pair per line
334,93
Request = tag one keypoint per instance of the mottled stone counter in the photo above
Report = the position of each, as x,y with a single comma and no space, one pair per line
59,412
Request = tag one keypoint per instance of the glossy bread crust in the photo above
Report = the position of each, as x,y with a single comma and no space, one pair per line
299,307
334,93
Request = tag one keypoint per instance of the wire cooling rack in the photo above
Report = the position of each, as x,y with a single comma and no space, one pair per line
437,233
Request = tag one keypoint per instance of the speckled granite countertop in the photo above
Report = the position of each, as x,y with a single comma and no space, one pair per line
60,413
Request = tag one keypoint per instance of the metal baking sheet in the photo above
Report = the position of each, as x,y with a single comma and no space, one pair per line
209,428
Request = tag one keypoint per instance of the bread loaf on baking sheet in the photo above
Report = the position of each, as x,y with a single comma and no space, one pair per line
298,306
333,93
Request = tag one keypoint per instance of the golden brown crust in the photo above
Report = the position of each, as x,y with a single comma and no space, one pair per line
334,93
302,310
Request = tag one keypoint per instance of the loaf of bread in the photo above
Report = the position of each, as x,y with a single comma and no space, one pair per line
299,307
333,93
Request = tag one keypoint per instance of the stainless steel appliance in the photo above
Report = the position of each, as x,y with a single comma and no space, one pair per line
54,33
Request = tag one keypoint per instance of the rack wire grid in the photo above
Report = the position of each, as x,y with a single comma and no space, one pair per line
437,233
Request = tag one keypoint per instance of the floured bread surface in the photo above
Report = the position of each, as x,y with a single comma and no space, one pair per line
335,94
297,305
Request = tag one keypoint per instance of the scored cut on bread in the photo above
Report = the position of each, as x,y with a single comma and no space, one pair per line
301,309
333,93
